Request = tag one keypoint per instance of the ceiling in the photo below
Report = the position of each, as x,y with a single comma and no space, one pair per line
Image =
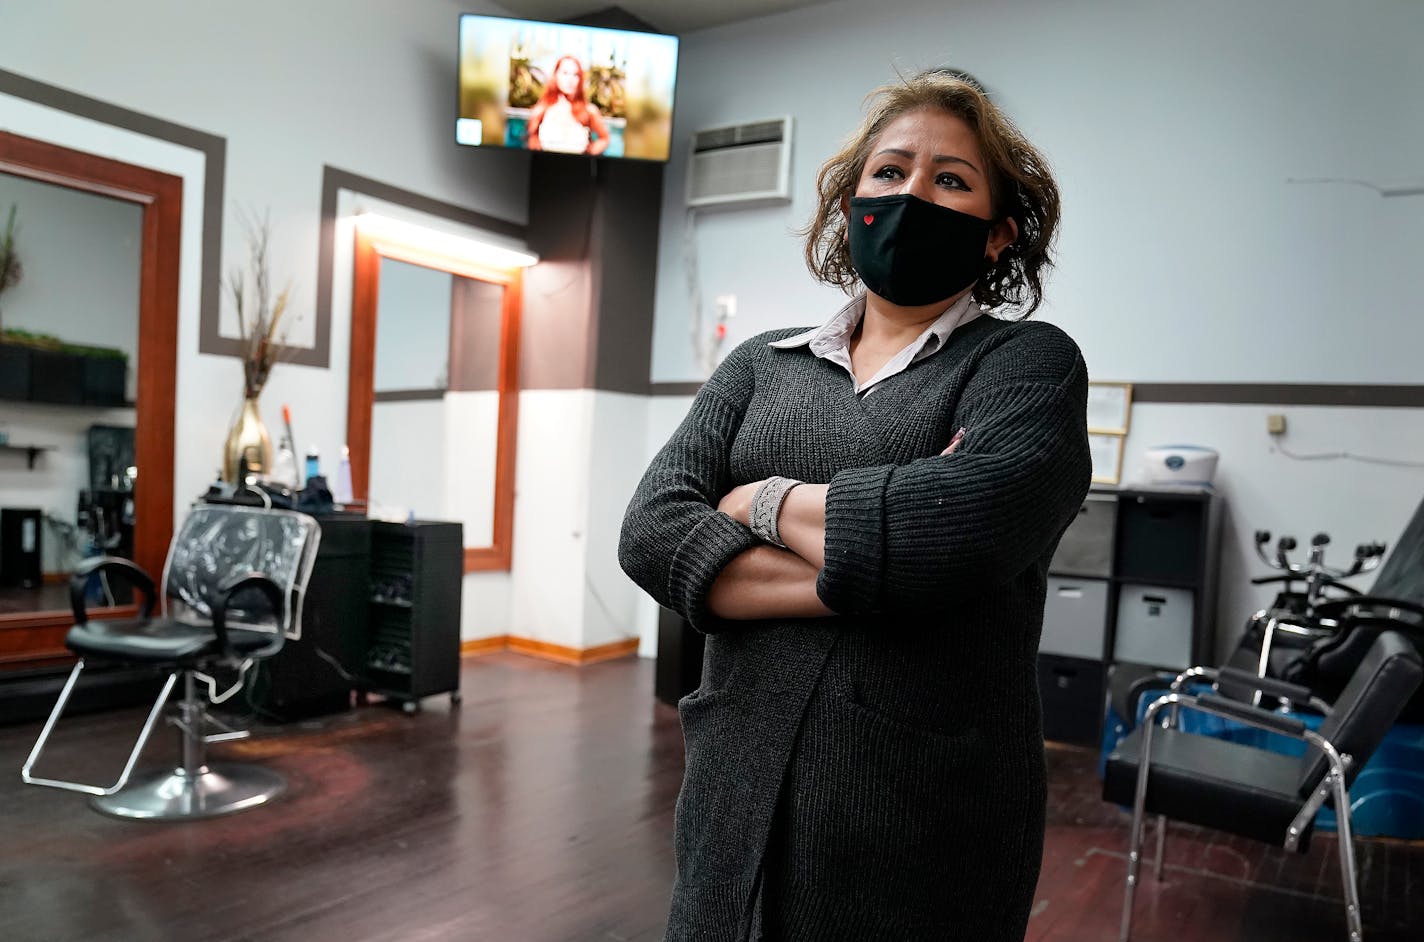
668,16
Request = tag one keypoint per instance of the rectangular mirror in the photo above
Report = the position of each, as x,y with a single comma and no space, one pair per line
433,398
88,340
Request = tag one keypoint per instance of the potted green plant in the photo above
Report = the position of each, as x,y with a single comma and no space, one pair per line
106,373
61,372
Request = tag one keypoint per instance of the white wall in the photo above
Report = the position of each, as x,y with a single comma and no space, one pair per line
408,458
616,461
1185,255
471,445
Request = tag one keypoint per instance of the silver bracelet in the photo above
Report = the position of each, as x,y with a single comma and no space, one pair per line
766,508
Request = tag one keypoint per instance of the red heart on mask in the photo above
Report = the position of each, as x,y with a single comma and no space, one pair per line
869,220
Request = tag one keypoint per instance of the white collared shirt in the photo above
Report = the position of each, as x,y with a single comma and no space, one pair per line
831,341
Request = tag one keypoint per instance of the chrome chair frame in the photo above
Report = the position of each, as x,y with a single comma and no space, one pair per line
26,773
1332,784
195,788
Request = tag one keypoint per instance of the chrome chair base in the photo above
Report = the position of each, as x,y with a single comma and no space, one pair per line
179,795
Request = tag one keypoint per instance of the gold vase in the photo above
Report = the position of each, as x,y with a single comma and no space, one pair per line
247,439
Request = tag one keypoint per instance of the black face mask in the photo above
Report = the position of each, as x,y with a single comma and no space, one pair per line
914,252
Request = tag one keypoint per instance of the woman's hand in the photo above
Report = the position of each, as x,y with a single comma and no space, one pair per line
737,503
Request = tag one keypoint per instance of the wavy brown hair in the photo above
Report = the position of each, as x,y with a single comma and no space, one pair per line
1020,188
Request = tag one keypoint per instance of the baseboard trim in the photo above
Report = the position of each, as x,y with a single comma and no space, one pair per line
483,646
547,650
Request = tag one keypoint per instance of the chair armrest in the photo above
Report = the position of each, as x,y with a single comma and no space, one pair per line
240,583
1342,608
1295,693
1193,673
1255,716
131,572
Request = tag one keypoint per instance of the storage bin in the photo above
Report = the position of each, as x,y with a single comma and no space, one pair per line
1154,626
1087,545
1071,690
1159,539
1075,618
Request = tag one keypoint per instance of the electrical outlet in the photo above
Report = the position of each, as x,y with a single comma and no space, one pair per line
726,306
1276,423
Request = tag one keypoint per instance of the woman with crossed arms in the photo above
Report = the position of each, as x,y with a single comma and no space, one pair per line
865,752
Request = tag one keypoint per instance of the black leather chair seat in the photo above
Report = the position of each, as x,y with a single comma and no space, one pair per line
159,640
1202,780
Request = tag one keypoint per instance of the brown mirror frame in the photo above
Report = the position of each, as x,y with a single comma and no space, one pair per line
365,290
37,639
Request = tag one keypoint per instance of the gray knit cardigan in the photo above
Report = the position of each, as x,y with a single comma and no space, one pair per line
878,774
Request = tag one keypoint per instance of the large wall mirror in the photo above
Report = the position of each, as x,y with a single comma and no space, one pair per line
432,412
88,348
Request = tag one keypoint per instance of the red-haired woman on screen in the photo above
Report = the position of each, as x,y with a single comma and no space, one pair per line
563,119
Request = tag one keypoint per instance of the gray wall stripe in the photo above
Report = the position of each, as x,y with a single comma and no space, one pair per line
1241,394
407,395
1282,394
674,389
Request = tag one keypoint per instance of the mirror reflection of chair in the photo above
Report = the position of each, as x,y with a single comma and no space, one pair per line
231,595
1255,793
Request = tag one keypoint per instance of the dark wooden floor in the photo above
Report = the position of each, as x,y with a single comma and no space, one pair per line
47,597
541,811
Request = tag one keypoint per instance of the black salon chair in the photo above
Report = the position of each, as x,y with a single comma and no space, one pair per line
232,593
1394,603
1263,795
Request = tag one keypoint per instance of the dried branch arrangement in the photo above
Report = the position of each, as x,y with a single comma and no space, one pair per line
10,269
261,325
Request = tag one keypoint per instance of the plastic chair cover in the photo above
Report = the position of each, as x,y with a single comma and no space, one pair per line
217,543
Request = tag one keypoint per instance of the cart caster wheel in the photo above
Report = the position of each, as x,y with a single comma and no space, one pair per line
455,698
410,707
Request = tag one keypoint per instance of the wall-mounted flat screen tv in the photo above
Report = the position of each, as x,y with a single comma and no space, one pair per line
566,89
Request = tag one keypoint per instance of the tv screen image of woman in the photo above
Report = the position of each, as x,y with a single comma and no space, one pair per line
563,119
565,89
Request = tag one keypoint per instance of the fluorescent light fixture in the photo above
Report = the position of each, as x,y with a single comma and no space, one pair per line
475,250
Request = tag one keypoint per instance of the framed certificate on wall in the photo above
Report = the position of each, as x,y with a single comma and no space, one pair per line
1109,407
1106,449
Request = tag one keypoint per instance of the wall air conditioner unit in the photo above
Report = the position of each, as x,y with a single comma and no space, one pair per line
744,163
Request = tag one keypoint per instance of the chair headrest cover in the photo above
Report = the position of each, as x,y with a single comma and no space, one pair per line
217,543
